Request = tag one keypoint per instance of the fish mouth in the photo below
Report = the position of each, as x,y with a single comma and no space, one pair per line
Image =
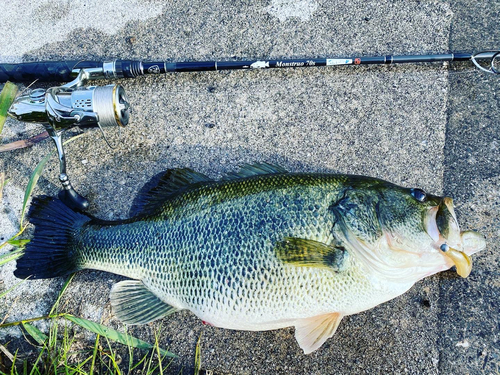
442,226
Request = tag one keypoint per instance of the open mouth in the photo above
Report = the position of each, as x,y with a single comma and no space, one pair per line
442,226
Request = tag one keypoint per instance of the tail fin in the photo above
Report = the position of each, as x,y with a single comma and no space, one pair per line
51,251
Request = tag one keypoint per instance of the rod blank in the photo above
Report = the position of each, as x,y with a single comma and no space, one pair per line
64,71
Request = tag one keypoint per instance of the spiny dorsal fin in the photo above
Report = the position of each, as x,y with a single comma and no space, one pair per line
312,332
257,169
133,303
308,253
171,183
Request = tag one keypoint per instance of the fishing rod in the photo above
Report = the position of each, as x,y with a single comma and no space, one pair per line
63,71
74,104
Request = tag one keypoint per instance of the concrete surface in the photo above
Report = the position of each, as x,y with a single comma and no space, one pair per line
431,126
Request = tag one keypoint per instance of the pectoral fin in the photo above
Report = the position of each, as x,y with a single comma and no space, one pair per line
308,253
311,333
133,303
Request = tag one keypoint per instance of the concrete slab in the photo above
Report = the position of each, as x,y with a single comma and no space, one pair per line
387,122
469,334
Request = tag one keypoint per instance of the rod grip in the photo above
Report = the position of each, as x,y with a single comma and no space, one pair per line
49,71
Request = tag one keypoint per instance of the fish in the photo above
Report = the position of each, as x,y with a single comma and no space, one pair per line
258,249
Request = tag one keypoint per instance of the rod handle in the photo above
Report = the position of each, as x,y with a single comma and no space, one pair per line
47,71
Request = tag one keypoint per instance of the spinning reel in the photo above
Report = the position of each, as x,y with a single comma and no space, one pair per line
73,104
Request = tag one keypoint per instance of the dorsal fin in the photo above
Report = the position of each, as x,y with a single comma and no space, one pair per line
257,169
157,191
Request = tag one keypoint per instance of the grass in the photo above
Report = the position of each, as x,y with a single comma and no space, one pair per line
197,357
59,351
7,96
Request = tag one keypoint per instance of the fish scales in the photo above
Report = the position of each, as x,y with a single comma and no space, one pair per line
260,249
211,250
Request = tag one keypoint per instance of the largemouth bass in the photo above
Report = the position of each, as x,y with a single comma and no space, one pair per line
259,249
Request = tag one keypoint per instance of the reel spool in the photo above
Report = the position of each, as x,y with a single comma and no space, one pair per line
63,107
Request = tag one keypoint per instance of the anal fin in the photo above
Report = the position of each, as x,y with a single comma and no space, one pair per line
133,303
312,332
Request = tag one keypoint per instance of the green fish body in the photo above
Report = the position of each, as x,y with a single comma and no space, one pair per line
260,249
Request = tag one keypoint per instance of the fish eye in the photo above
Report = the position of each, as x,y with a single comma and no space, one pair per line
419,195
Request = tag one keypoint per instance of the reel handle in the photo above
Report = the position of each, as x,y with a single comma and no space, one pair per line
68,194
72,199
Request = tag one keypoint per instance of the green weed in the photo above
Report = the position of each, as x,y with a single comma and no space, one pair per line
60,352
7,96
